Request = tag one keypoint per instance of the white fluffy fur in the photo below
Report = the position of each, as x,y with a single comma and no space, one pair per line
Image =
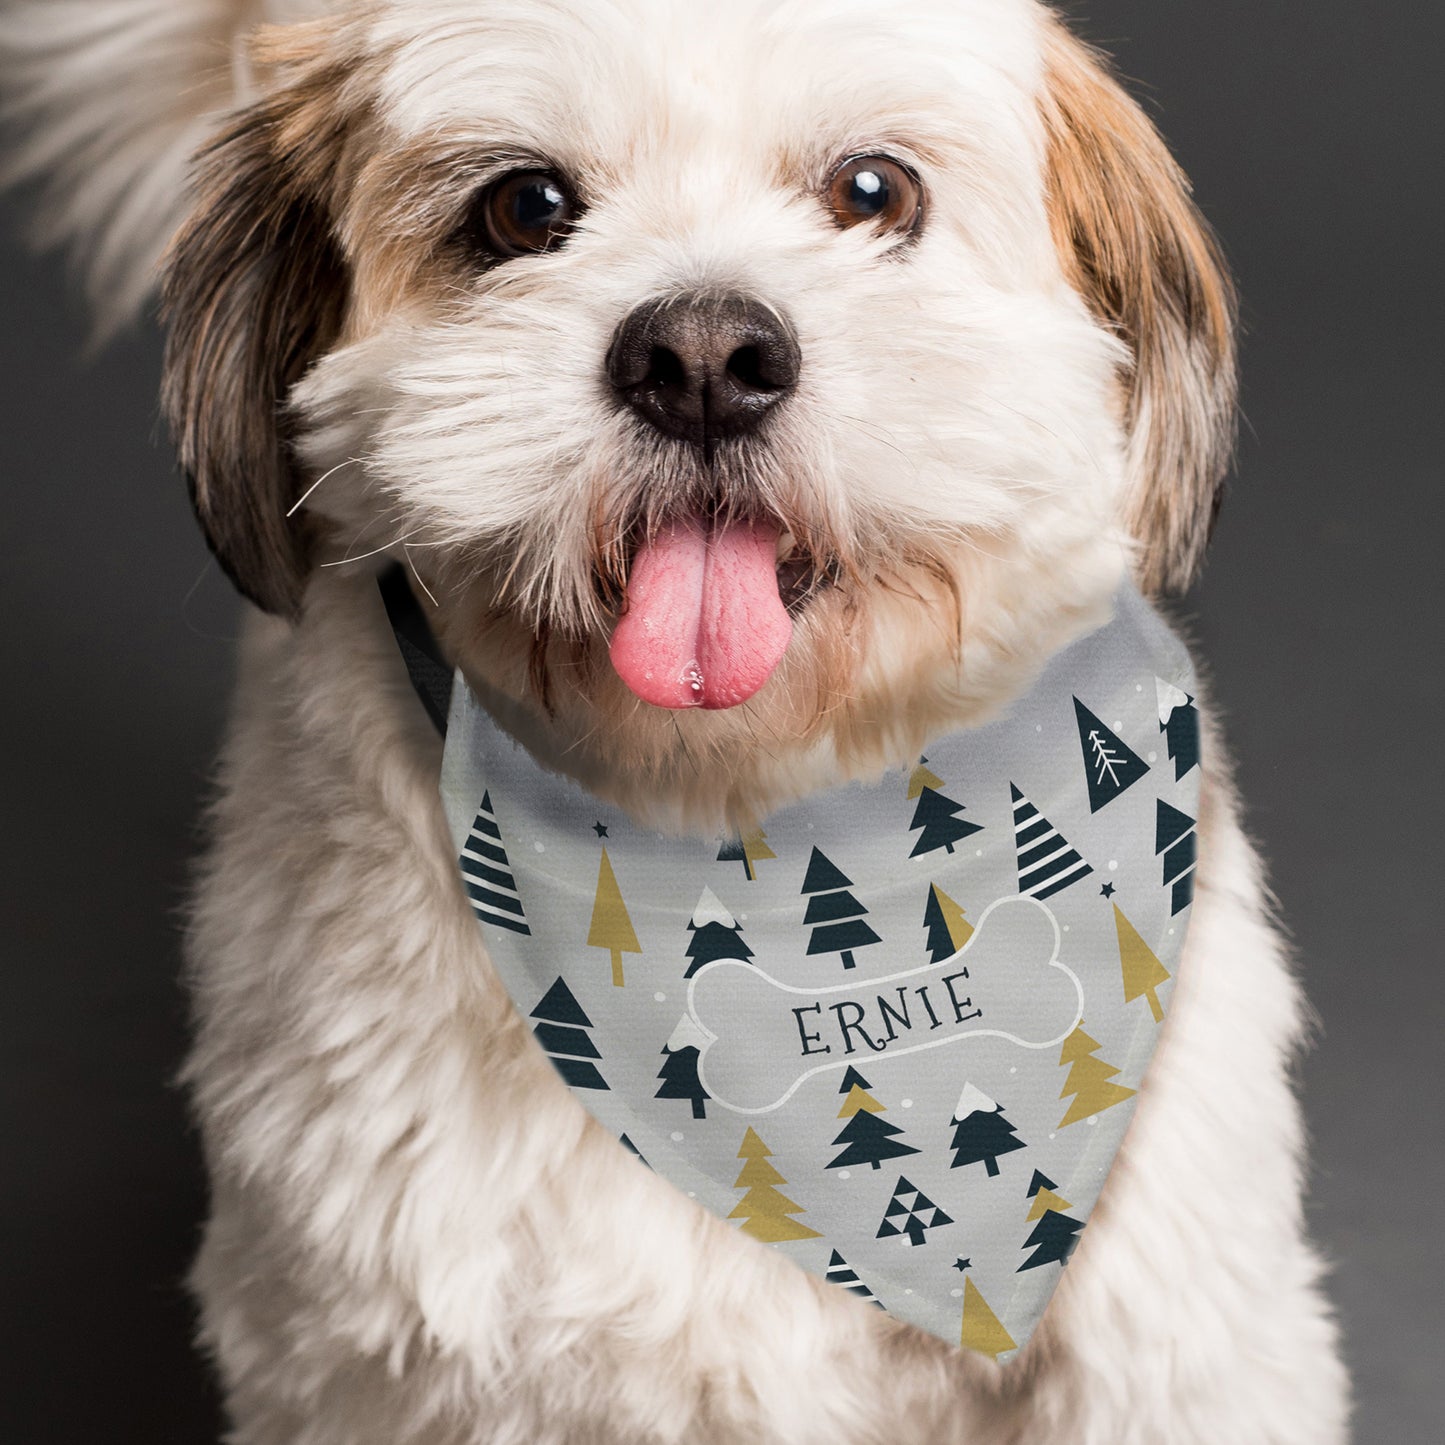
418,1237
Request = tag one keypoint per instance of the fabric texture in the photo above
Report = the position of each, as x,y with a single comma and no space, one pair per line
898,1031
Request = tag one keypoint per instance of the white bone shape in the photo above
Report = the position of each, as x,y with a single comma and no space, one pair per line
764,1038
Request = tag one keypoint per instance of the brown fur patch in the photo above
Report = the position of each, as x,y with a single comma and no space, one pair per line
1135,246
255,289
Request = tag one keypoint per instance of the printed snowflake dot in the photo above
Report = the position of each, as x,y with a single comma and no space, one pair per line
1092,1121
907,1291
1013,1071
1138,687
660,997
540,847
844,1174
677,1138
978,852
1113,865
907,1103
955,1292
1153,757
1053,1136
1118,723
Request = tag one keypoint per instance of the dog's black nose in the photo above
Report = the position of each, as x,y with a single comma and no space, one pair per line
700,367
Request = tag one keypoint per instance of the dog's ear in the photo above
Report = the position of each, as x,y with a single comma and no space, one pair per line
255,289
1137,249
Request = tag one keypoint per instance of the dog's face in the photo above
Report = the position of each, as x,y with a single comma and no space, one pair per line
812,356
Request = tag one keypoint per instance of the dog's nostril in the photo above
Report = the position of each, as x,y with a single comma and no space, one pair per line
665,367
746,365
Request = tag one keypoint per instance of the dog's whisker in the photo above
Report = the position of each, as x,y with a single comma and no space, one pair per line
306,495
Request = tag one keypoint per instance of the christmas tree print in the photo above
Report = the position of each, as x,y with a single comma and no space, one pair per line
983,1331
487,875
749,850
715,934
840,1272
1047,864
948,929
611,926
981,1133
765,1212
1179,722
1174,838
1110,764
561,1034
1088,1079
910,1212
1143,973
680,1056
923,777
1055,1235
633,1150
837,914
936,815
868,1139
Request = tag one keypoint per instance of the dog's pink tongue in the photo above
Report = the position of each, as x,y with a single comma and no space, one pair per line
704,625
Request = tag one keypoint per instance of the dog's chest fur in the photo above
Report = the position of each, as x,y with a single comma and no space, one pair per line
418,1235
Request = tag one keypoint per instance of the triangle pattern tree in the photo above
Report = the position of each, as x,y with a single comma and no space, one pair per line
1179,722
1110,764
680,1057
1143,973
561,1033
611,926
487,875
764,1211
749,850
841,1273
1174,838
715,934
1089,1079
981,1133
948,928
838,916
1055,1236
937,816
1047,864
912,1213
867,1138
983,1331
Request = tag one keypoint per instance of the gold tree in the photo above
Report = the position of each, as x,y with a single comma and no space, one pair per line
763,1210
611,926
1088,1079
1143,973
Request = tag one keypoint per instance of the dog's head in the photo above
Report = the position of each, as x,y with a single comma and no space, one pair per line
820,352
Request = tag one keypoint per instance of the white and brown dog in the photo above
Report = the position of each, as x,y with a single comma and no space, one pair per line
906,311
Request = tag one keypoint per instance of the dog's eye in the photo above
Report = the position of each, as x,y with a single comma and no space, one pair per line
523,213
873,190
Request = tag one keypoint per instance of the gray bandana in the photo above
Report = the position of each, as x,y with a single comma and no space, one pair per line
896,1033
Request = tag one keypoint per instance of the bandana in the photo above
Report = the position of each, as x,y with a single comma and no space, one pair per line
897,1032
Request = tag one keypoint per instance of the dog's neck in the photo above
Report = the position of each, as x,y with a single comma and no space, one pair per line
913,677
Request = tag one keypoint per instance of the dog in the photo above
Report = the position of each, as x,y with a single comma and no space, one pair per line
416,283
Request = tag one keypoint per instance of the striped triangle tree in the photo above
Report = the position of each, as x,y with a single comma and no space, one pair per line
487,874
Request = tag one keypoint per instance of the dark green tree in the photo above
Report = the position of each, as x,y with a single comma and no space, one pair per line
838,916
680,1080
561,1032
942,828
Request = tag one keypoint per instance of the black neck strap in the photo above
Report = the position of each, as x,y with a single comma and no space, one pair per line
425,665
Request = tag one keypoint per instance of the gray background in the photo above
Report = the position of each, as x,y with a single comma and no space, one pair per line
1315,148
